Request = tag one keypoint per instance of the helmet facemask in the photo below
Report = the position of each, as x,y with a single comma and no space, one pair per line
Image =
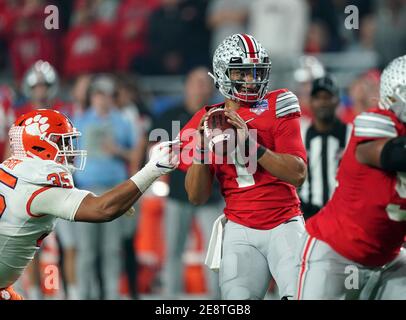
241,69
247,82
41,73
397,102
68,153
393,88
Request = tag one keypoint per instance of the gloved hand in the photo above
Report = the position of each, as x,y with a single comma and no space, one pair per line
164,157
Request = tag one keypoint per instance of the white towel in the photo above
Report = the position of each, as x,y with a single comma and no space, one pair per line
213,256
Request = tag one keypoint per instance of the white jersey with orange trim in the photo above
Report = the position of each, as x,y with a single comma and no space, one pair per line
33,194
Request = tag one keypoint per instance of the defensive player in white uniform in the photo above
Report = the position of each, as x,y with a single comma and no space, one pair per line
36,188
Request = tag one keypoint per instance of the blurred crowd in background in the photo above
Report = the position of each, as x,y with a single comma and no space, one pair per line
120,69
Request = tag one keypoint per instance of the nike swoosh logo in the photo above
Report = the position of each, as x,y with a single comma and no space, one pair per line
162,166
249,120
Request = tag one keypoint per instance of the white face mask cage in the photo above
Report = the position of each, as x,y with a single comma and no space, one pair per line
41,72
69,153
248,91
397,103
241,51
392,86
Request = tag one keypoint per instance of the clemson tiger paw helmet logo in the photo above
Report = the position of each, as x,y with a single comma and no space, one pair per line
5,295
37,125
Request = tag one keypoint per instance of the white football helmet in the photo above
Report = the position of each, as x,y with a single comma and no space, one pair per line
243,55
308,69
41,72
393,88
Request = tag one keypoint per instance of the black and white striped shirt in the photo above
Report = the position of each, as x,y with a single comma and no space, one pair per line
324,152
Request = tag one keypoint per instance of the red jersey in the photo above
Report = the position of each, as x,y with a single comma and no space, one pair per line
89,49
131,30
260,200
365,221
27,48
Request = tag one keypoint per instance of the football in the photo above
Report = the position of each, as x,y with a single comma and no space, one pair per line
220,134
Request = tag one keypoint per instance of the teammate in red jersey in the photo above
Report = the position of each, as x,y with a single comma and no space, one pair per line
262,223
40,86
353,247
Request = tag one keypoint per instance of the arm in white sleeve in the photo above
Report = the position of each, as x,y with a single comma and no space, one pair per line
59,202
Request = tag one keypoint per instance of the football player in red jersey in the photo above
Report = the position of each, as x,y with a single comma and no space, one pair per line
263,222
353,249
40,86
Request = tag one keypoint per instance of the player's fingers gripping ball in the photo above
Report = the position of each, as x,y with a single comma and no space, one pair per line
234,119
220,133
201,124
174,152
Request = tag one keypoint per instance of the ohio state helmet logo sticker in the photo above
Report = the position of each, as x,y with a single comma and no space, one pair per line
37,125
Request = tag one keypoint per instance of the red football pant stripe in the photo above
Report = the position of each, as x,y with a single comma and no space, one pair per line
304,265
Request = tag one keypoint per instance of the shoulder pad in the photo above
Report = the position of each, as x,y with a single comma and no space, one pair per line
374,125
36,171
286,103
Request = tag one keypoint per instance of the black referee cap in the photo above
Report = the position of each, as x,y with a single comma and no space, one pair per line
325,83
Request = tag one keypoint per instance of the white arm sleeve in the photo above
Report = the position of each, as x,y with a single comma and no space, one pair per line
59,202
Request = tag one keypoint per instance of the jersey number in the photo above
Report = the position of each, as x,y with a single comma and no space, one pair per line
244,178
60,180
9,181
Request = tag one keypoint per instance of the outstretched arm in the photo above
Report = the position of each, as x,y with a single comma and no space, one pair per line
109,205
81,205
119,200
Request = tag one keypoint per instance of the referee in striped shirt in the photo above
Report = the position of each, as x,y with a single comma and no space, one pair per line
325,140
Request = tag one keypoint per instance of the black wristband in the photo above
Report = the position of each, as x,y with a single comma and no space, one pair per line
393,155
260,151
247,144
259,148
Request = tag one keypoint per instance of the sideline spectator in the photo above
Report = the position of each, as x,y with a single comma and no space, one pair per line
110,140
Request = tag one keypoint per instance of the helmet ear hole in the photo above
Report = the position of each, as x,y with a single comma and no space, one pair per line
39,149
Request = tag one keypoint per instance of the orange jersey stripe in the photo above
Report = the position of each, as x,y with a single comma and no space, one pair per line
8,179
